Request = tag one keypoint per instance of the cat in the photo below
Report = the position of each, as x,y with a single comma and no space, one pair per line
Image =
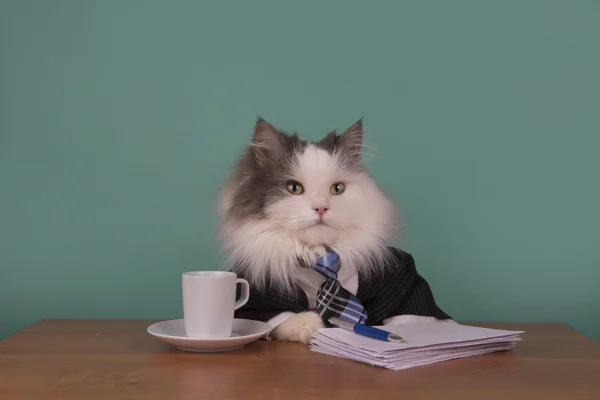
288,201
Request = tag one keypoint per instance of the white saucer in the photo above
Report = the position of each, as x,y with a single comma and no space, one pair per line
244,331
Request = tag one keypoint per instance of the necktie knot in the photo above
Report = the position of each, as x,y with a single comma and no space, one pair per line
328,265
333,300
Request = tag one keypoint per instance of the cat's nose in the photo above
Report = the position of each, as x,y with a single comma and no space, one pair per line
320,210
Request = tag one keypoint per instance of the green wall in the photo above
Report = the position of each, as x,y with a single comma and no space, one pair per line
118,119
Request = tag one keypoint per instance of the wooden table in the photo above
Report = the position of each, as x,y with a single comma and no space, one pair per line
117,359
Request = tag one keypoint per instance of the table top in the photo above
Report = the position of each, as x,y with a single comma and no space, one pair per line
118,359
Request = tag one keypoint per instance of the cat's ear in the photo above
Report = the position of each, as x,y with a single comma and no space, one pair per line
266,142
351,141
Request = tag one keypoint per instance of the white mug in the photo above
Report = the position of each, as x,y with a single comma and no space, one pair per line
209,302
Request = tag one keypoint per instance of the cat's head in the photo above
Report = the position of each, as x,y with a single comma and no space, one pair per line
289,198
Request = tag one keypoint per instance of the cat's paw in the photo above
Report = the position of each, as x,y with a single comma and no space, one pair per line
298,328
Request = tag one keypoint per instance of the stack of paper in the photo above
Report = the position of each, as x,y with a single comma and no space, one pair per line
426,343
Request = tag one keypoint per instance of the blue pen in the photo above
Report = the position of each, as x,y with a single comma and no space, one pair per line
366,330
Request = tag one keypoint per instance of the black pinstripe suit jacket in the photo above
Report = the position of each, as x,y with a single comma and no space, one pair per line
399,290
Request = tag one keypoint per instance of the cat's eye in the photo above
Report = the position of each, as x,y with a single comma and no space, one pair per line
294,187
337,188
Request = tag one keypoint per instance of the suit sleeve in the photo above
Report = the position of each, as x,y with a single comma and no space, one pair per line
400,290
265,304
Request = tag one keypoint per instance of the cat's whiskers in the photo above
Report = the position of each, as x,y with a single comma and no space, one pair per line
363,153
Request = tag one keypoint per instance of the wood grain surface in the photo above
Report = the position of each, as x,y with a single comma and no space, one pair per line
118,359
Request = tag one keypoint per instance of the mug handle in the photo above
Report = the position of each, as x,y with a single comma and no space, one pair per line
245,293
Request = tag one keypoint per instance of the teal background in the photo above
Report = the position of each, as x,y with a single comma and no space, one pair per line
119,119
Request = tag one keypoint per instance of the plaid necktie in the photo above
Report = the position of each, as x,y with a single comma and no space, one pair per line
332,299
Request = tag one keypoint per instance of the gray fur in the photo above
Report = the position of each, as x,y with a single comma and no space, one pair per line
347,146
261,175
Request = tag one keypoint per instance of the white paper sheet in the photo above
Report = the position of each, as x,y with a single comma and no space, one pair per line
427,343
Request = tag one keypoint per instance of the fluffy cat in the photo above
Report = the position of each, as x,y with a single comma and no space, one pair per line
288,200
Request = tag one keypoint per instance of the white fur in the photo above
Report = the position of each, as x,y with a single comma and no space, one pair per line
359,223
298,328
